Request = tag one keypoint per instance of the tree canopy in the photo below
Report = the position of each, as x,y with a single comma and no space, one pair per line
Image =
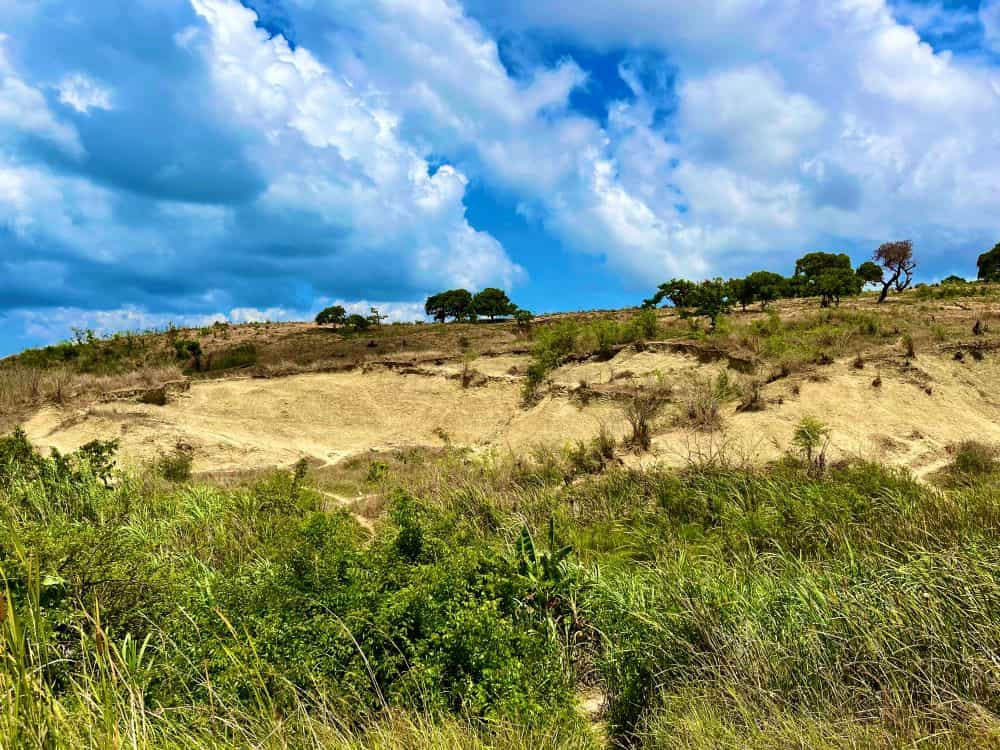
897,260
335,315
870,272
989,264
493,303
455,303
828,276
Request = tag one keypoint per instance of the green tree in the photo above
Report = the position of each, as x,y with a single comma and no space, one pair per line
710,299
869,272
767,286
358,322
679,292
835,283
335,316
455,303
897,260
493,303
989,264
742,292
828,276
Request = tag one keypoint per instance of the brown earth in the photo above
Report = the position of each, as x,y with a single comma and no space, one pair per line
911,419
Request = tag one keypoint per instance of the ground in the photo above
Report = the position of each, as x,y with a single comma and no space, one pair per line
314,393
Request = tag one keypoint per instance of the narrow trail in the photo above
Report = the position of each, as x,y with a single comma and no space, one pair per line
347,503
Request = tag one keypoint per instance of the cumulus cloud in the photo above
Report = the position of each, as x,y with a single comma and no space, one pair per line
83,94
25,112
211,158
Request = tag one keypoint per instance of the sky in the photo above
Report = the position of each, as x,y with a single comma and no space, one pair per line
190,161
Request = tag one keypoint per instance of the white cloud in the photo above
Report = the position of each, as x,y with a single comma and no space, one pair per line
23,110
747,116
856,128
334,152
83,93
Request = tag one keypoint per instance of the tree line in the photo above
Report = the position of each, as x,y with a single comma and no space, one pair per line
828,276
461,304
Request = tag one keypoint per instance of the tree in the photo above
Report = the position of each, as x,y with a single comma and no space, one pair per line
834,283
953,279
989,264
455,303
870,273
710,299
897,260
828,276
766,286
679,292
358,322
742,292
492,303
332,316
377,317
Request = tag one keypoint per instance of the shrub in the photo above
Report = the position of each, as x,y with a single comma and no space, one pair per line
641,409
701,408
810,439
971,458
244,355
175,466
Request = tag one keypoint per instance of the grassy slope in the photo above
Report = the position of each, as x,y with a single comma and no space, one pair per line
714,607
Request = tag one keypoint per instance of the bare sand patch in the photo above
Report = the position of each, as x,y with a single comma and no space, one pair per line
909,420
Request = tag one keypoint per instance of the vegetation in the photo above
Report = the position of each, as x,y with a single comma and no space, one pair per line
989,264
493,303
714,606
332,316
897,261
456,304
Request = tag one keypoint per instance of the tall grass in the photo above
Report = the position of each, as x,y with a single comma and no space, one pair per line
714,607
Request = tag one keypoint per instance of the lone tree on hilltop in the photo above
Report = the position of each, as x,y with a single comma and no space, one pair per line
332,316
897,260
493,303
989,264
455,303
870,272
828,276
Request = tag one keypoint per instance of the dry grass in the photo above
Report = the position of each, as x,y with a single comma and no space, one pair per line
25,388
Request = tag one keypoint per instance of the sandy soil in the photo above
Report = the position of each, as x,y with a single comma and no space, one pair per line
252,423
235,424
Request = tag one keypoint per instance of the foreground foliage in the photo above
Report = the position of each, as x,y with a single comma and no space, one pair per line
717,606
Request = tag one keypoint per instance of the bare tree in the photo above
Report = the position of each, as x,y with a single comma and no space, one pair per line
897,260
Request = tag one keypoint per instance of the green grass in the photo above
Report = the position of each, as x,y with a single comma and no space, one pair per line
715,607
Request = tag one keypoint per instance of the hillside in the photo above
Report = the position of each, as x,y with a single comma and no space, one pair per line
615,529
298,390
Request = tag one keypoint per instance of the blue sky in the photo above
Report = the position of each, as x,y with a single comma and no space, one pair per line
199,160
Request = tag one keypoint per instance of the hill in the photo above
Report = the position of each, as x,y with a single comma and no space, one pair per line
269,394
610,529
